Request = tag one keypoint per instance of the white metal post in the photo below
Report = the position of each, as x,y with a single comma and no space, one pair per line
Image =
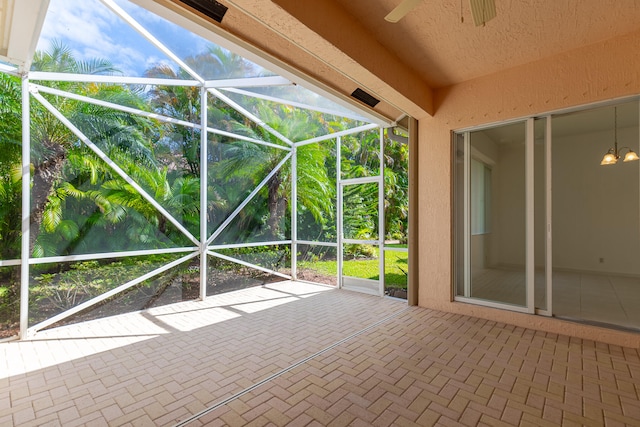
381,229
412,232
467,215
203,191
549,221
339,230
26,208
529,217
294,212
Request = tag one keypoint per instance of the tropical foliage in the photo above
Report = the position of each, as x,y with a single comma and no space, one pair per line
81,204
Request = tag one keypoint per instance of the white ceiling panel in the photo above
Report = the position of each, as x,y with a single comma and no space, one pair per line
20,25
6,12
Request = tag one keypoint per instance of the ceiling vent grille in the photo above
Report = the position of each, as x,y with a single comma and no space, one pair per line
363,96
211,8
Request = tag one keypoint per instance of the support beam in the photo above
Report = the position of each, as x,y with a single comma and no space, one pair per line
338,40
26,208
204,180
294,212
414,265
20,31
258,30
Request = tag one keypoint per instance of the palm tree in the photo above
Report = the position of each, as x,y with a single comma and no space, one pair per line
179,146
92,206
184,102
10,171
76,193
396,191
315,194
218,63
10,198
50,139
180,102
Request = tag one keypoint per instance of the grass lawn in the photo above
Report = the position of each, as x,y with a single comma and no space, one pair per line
395,263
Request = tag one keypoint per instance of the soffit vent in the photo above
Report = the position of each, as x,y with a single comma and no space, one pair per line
363,96
211,8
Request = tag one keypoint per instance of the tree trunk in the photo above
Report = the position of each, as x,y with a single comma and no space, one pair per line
44,176
162,224
276,211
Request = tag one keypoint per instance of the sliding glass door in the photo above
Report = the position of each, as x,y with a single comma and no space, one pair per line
596,216
547,215
493,174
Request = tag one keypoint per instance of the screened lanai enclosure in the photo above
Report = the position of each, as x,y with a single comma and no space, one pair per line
142,165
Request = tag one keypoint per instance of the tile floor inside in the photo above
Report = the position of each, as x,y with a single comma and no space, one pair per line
302,354
589,297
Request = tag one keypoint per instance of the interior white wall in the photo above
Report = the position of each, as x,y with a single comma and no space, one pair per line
596,209
539,200
485,150
505,244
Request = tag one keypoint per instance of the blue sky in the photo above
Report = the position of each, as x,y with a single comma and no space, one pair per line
92,30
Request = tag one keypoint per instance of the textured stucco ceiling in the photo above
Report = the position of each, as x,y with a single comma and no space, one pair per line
345,44
431,48
433,41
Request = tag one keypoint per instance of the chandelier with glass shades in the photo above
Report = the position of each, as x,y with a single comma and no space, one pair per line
612,156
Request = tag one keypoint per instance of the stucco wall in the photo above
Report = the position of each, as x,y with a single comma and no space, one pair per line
592,74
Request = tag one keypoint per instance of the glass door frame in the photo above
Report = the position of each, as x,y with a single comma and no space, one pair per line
548,241
341,184
529,306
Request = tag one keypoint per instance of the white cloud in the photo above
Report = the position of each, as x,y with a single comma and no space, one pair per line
81,23
92,30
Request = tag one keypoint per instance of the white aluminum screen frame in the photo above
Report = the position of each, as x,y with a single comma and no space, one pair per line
203,246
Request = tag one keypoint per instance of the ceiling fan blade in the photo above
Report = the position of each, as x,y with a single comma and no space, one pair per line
482,11
402,9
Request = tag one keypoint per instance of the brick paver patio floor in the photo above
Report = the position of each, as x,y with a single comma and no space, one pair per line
301,354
